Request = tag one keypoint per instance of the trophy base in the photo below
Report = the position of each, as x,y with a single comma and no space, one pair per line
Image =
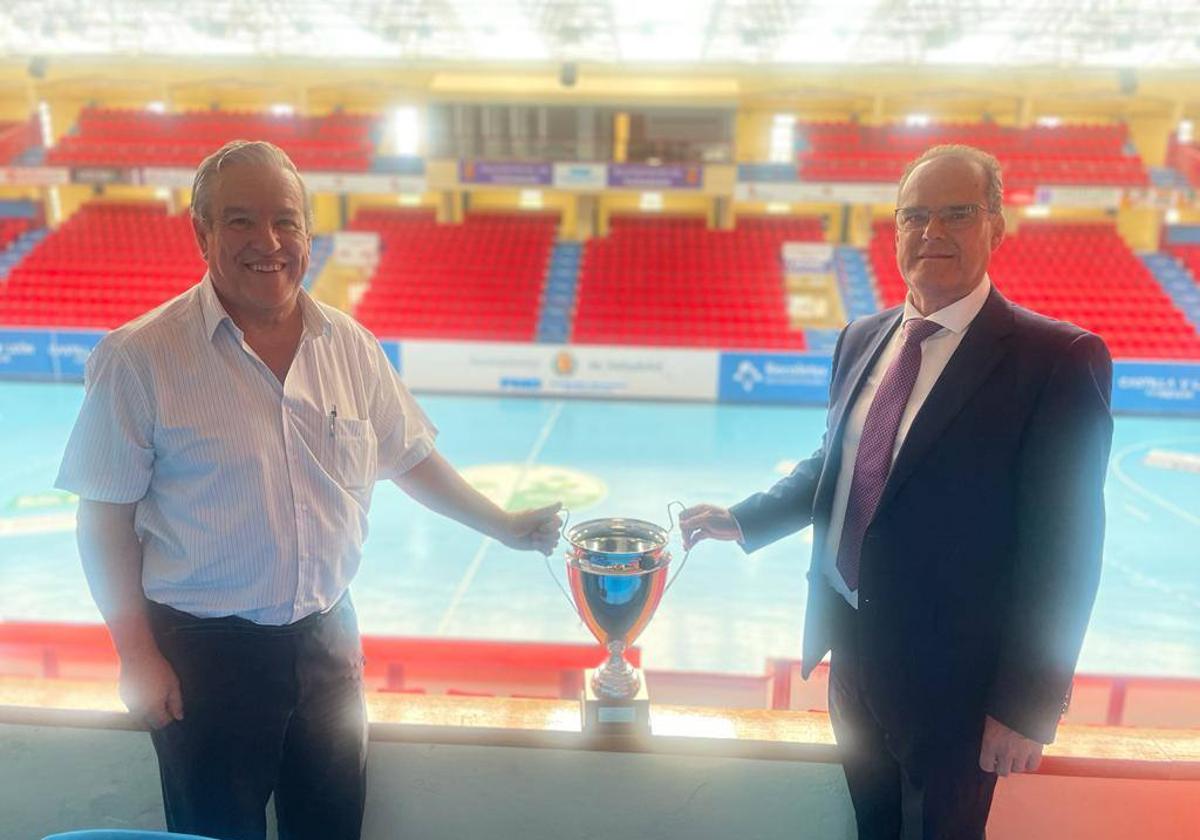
606,716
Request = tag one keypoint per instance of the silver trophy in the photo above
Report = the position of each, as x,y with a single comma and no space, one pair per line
617,575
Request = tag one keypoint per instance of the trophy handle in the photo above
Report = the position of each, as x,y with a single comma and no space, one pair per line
671,527
561,588
550,569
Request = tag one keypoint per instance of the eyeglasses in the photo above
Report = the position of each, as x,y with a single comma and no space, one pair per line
952,217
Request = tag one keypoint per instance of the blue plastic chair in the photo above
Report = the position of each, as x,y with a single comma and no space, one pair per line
122,834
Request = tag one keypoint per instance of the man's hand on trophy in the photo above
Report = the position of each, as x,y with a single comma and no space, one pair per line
535,529
701,522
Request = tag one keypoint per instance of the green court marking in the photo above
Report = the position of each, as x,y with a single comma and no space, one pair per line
46,502
516,486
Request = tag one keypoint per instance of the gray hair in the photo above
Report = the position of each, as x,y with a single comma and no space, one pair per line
993,185
241,151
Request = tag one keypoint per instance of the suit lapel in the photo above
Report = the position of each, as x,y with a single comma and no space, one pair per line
981,349
856,377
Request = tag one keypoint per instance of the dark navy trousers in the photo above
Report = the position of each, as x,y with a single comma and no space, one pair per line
267,710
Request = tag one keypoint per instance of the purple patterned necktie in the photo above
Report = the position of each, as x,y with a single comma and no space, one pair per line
874,459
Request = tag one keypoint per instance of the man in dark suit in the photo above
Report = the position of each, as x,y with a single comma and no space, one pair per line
958,513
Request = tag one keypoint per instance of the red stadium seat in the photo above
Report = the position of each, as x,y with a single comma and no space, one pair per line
481,280
1082,273
1031,157
106,265
669,281
125,138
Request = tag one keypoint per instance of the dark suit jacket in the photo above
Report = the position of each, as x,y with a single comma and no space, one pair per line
980,567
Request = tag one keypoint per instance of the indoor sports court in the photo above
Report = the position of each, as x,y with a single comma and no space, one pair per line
424,576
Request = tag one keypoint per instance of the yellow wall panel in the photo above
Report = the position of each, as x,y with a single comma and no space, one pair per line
441,174
326,209
1140,227
1151,135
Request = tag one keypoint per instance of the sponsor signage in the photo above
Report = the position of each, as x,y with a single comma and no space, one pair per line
814,192
774,378
103,175
1161,388
1105,198
561,370
644,176
356,248
46,354
515,173
391,349
778,173
580,176
807,257
173,177
35,176
363,182
1156,387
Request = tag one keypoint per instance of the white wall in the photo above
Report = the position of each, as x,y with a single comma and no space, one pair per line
57,778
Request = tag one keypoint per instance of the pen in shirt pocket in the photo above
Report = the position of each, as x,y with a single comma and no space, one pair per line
332,421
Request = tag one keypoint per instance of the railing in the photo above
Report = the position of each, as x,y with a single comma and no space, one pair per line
470,667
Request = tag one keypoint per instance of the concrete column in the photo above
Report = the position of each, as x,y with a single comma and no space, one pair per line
587,217
722,216
450,207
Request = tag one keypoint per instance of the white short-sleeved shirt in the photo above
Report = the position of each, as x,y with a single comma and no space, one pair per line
252,495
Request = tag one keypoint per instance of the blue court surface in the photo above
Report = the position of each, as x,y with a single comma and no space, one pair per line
426,576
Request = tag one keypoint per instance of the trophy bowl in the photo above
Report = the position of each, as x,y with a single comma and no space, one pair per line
617,574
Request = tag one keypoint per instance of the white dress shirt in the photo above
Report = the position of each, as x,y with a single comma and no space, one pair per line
252,494
935,354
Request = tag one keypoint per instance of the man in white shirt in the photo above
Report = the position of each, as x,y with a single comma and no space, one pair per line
225,457
958,513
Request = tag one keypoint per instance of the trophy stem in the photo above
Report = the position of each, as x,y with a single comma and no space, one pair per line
616,679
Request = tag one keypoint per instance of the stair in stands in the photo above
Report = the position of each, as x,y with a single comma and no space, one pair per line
18,248
558,299
857,291
1178,272
322,248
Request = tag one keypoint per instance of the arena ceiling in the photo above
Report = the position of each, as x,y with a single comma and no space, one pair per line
1013,33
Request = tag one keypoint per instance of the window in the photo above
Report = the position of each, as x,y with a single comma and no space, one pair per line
783,139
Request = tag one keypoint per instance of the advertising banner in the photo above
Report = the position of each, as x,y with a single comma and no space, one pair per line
807,257
359,248
778,173
172,177
363,182
104,175
513,174
815,192
644,176
1103,198
46,354
581,176
563,370
774,378
1156,387
35,176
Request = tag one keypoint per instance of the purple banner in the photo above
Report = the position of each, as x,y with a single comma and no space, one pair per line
671,176
513,174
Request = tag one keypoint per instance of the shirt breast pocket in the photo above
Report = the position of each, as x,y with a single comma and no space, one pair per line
355,455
